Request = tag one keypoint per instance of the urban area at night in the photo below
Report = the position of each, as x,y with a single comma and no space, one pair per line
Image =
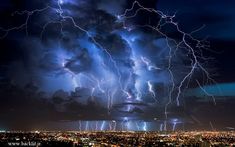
117,73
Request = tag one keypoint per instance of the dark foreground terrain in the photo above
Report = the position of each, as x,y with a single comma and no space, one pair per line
73,138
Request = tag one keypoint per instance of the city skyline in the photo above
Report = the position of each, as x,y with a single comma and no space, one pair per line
100,65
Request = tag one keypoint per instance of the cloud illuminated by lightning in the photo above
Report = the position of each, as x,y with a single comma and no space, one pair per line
140,78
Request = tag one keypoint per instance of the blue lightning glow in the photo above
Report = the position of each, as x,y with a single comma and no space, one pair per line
174,125
145,126
149,64
151,90
80,125
87,126
161,127
102,126
134,74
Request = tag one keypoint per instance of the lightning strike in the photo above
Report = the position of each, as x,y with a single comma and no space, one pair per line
193,53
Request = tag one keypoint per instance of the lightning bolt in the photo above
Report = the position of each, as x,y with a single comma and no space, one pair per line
109,101
195,56
92,91
137,126
194,53
96,125
80,125
174,125
87,126
25,24
145,126
102,126
161,127
74,80
110,126
149,65
150,88
60,11
64,18
208,94
94,41
212,127
115,125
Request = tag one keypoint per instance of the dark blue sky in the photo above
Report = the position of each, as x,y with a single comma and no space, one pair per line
217,16
217,19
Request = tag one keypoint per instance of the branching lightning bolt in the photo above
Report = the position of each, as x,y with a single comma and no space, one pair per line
196,55
63,17
151,90
149,65
206,92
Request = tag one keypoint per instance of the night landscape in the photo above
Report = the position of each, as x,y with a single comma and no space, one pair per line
117,73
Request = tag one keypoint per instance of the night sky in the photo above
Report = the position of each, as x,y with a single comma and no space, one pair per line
152,63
